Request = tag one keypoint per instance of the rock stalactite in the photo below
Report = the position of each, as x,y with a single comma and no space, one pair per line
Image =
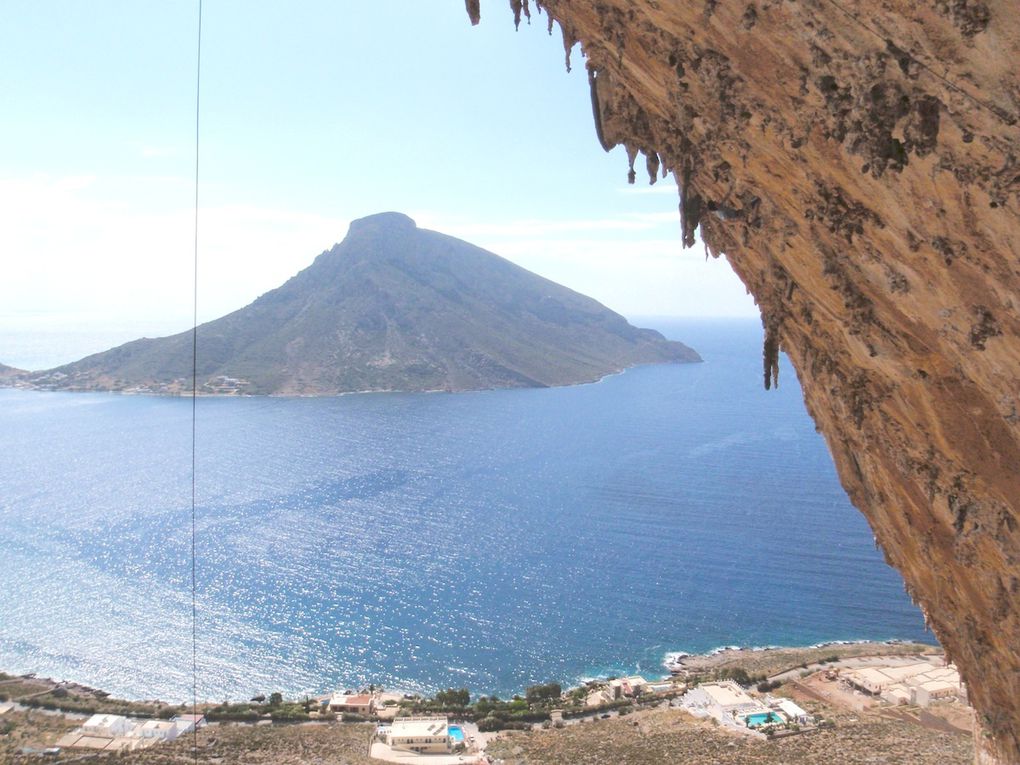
858,164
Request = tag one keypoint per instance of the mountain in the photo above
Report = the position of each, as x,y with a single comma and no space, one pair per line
7,372
392,307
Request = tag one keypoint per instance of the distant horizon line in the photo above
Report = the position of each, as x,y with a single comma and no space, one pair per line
17,322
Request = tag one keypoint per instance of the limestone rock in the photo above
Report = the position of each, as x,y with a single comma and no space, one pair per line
858,164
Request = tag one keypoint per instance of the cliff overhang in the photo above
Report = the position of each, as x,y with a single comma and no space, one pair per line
858,165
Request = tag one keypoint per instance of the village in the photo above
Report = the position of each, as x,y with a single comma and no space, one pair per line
449,728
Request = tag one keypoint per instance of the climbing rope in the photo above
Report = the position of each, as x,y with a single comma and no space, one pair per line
194,407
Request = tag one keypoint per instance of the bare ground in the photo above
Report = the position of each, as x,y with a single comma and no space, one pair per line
775,660
236,744
31,730
671,736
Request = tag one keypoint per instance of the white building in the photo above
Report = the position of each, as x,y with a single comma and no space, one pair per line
161,730
920,683
725,701
420,734
107,726
187,723
726,696
792,711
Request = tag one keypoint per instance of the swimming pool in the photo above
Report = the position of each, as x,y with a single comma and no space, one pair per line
762,718
456,733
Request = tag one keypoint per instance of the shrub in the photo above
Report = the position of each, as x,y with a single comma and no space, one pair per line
540,692
488,724
598,709
737,674
288,713
453,697
232,713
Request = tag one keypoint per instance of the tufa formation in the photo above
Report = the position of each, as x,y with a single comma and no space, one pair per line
858,164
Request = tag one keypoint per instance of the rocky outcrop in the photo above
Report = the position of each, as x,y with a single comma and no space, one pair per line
858,164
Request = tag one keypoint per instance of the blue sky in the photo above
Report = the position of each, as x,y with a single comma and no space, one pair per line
313,113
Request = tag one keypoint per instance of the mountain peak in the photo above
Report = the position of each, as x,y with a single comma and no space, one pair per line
392,307
393,221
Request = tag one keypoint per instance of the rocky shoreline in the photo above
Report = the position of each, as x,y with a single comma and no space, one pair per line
764,660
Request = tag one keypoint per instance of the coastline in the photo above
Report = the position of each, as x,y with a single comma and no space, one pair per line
772,660
768,660
20,382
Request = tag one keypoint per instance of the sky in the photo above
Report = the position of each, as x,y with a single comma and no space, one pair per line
313,113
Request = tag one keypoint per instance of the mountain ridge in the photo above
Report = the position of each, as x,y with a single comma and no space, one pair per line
392,307
6,371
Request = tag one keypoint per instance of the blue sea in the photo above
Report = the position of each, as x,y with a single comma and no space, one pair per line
488,540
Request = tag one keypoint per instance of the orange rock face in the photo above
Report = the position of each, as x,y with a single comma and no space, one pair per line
858,164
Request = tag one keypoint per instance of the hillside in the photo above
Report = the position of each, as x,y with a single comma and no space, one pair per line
9,372
392,307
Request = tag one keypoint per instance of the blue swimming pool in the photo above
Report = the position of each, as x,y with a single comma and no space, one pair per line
761,718
456,733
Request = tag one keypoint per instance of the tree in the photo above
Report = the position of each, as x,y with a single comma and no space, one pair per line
738,675
488,724
547,691
275,699
453,697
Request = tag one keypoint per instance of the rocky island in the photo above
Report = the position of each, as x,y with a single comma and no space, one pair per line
391,308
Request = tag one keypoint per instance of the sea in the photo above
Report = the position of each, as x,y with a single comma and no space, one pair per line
488,540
